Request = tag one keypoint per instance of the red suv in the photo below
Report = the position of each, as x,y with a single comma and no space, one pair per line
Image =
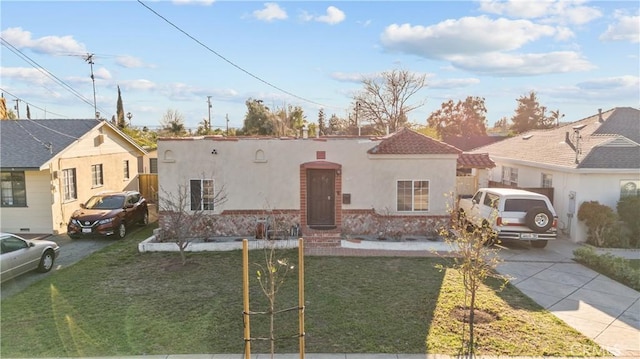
109,213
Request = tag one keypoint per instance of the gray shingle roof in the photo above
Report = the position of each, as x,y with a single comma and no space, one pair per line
613,143
31,143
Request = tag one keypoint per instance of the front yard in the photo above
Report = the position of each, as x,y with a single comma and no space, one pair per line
121,302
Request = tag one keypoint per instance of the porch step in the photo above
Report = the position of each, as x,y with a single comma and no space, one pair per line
316,239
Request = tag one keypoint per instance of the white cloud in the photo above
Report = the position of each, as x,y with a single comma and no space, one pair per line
27,75
626,28
131,62
140,84
468,35
523,64
612,83
270,12
347,77
485,45
548,11
102,73
333,16
54,45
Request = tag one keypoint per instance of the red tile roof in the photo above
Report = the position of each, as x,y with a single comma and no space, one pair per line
475,160
409,142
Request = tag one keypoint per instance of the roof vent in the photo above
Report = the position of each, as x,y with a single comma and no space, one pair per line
526,137
600,119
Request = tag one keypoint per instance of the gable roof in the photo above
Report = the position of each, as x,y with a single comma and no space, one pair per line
606,140
475,160
409,142
29,144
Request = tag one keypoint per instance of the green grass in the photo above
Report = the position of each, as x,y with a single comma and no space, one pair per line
121,302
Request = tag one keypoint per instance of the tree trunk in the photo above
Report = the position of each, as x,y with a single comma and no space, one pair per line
472,309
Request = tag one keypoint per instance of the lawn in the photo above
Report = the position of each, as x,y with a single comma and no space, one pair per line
121,302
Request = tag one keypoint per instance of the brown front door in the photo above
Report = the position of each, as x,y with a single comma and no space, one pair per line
320,198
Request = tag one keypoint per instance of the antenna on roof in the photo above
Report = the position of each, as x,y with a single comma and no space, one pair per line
89,59
576,135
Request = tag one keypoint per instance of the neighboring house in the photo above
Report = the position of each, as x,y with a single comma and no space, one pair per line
473,142
49,167
473,173
594,159
326,187
149,176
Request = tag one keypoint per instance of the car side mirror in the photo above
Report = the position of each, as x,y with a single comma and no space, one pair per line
31,244
83,206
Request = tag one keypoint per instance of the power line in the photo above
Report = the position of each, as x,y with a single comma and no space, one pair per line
229,61
32,105
44,71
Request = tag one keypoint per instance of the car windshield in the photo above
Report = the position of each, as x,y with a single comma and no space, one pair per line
105,202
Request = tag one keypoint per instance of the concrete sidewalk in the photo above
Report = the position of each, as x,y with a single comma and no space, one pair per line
593,304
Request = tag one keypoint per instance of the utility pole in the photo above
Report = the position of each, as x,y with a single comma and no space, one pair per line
357,110
208,127
89,59
227,118
17,107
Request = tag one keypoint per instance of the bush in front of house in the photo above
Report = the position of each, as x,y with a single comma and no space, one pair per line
616,268
629,212
601,221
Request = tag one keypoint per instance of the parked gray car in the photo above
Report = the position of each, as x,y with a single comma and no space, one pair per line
19,255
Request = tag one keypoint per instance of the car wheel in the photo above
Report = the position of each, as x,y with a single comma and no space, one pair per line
145,219
122,230
46,262
488,235
538,244
539,219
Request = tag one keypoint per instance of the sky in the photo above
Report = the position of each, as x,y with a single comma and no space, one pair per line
182,55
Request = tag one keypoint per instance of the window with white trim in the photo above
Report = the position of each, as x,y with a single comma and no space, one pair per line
69,188
412,196
510,176
14,189
546,180
97,179
202,195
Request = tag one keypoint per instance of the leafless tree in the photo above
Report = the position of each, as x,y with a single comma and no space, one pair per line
384,100
184,217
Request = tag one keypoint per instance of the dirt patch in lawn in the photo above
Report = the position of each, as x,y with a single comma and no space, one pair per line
462,314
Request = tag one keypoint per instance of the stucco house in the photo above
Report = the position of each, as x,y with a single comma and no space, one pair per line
593,159
49,167
326,187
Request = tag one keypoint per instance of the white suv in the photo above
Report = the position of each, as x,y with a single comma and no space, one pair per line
513,214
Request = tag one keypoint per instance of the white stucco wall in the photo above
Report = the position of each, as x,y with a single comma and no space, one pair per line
36,217
586,185
274,181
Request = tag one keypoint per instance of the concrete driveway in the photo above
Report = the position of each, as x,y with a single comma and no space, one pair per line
71,252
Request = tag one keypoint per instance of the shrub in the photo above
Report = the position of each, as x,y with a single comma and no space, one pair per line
616,268
600,221
629,212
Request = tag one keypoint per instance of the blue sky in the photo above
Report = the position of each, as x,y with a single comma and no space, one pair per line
577,55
